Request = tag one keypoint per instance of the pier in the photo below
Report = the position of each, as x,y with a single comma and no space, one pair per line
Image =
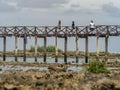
58,31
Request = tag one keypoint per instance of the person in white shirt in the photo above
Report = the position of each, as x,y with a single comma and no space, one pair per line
92,25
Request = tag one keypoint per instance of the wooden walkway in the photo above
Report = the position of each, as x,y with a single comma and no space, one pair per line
58,32
62,31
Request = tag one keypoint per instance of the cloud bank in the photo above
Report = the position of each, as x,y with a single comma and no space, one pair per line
39,12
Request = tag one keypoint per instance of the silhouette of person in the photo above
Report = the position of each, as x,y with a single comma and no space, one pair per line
73,25
59,24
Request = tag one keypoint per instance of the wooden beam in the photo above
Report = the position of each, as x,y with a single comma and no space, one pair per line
36,48
45,44
58,28
106,48
77,49
25,42
4,49
65,50
86,49
16,47
56,48
97,47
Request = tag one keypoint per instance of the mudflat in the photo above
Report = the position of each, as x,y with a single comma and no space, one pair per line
56,78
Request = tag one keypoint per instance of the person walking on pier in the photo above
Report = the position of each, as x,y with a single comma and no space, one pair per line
73,25
92,26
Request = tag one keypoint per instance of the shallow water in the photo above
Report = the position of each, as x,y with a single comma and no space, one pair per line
25,68
48,60
51,60
113,68
75,68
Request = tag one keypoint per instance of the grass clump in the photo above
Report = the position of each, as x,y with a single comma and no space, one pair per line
97,67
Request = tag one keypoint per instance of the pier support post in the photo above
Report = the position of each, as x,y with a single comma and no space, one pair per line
77,49
45,43
56,41
86,49
25,42
36,48
106,48
56,48
97,48
16,48
4,49
65,50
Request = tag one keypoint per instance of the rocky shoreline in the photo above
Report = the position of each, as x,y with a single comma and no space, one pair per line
56,78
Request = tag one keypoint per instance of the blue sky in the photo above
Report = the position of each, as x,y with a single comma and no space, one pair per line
48,12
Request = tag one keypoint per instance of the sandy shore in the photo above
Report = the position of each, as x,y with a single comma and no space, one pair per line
56,78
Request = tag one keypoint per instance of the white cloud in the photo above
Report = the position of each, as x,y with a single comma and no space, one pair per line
111,9
86,4
40,3
6,6
39,12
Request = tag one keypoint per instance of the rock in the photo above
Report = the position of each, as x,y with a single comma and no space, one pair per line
51,68
49,87
104,84
60,83
87,87
117,87
37,76
58,69
0,69
39,83
25,87
10,87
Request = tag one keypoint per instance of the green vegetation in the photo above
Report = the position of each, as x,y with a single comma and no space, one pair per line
48,49
97,67
71,52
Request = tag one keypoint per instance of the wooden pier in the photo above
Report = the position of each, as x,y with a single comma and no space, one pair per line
58,31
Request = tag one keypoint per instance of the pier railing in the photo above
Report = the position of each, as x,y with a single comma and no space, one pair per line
51,31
